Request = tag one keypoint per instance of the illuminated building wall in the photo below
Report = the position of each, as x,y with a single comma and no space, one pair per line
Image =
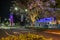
46,20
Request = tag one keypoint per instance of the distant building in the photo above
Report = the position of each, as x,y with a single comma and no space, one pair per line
46,22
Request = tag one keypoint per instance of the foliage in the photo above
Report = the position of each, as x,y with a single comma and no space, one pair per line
29,36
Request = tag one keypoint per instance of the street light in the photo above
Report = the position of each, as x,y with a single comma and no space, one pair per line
26,10
16,8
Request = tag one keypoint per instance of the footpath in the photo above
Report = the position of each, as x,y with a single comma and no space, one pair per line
56,31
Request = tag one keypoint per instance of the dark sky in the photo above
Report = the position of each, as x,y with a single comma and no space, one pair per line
4,8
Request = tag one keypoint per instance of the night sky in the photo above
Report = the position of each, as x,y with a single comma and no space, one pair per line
4,8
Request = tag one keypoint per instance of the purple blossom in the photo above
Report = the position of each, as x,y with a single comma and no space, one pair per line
51,10
53,2
47,4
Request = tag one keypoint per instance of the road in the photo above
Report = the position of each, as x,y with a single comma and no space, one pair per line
6,32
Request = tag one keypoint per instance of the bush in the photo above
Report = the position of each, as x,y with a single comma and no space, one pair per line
29,36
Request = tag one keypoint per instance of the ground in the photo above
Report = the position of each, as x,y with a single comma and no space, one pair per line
55,34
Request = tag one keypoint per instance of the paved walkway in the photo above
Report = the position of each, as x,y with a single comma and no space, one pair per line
53,31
